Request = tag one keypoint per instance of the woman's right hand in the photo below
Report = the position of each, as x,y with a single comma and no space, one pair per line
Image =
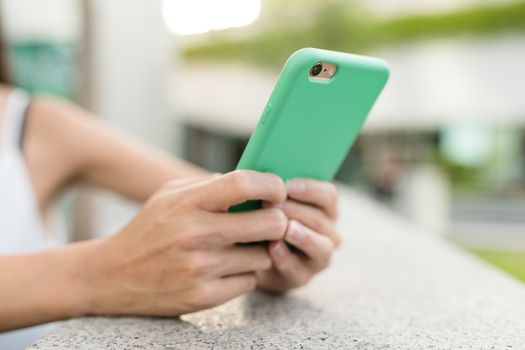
179,253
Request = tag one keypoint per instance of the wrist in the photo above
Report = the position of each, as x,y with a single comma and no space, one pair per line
82,265
97,269
46,286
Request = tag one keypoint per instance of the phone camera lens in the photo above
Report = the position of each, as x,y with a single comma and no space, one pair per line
316,69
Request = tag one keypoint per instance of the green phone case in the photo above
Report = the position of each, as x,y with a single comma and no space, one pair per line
308,126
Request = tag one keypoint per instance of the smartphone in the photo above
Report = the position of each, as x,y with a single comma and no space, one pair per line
316,110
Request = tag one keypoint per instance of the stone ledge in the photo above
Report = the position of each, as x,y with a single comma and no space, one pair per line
391,286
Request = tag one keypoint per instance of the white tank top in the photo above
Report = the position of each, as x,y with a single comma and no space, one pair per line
20,222
21,228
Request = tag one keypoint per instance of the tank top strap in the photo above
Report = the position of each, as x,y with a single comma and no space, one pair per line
16,108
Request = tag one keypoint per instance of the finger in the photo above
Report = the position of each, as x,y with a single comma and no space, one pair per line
227,288
253,226
238,260
313,218
316,247
291,268
174,184
240,186
320,193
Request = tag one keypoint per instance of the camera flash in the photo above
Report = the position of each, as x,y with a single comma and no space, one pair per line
323,71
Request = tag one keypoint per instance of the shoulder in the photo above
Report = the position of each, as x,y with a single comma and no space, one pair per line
50,106
54,118
53,124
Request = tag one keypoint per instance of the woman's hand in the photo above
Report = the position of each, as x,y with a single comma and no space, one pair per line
312,210
179,254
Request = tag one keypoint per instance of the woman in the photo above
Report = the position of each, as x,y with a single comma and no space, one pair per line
178,254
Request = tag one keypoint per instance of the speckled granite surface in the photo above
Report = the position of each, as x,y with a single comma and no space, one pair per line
390,286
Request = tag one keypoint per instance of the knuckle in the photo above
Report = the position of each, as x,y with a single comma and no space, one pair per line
191,265
210,238
201,233
319,223
267,263
240,181
330,245
192,241
208,298
284,268
278,183
332,191
251,282
302,279
325,262
205,297
263,259
337,240
277,222
191,235
336,213
198,264
308,239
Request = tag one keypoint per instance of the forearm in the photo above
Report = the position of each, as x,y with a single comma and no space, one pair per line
132,168
65,143
43,287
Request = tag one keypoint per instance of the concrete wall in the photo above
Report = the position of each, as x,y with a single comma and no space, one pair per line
130,56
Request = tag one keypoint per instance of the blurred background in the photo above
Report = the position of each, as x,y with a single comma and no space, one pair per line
444,146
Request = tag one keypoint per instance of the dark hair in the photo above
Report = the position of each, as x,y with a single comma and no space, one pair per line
4,68
4,73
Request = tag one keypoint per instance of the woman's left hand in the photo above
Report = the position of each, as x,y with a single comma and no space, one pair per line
312,210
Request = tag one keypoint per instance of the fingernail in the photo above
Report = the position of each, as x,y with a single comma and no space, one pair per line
295,232
296,186
278,251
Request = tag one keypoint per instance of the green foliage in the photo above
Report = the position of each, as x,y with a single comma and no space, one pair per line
512,262
337,26
476,21
461,177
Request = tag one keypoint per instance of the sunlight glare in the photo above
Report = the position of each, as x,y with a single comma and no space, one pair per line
185,17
